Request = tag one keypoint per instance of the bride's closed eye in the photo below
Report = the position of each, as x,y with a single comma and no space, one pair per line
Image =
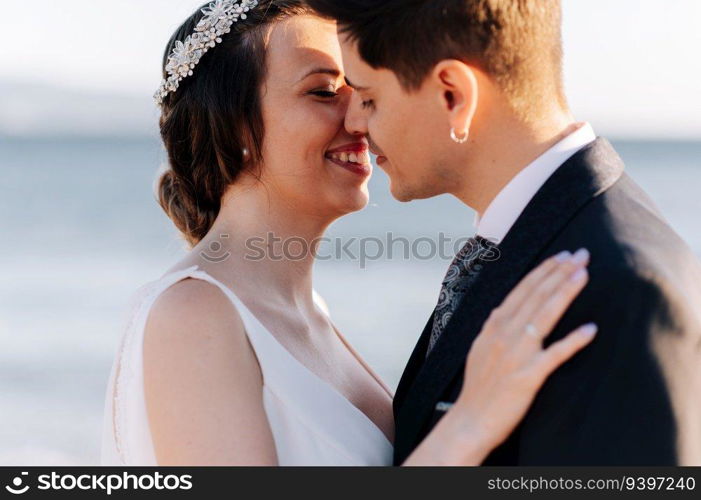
325,93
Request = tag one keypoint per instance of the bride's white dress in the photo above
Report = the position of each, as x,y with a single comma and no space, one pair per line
312,423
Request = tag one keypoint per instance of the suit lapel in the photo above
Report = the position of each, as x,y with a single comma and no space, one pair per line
588,173
416,361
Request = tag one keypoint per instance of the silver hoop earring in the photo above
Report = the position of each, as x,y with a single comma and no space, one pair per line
459,140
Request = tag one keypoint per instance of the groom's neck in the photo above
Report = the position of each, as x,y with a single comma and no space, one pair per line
501,149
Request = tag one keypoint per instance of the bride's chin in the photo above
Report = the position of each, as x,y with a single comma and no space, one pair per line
361,204
355,201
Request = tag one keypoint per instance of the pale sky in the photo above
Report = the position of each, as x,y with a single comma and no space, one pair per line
631,66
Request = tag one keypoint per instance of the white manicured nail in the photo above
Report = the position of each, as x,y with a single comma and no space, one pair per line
580,256
589,330
563,256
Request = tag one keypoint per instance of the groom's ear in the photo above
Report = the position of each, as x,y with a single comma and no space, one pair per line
457,88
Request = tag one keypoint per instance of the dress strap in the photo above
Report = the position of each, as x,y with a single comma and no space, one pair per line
127,392
272,357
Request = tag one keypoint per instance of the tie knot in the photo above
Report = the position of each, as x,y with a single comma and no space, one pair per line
474,248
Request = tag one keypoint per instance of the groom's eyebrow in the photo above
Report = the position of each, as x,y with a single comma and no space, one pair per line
356,87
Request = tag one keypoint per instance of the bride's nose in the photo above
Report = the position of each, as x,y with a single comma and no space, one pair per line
345,100
342,108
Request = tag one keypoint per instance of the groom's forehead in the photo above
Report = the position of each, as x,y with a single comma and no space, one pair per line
349,45
356,69
360,75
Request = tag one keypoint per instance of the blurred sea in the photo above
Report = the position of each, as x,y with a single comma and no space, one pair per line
81,231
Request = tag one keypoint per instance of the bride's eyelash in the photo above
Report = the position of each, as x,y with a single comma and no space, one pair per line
327,94
367,104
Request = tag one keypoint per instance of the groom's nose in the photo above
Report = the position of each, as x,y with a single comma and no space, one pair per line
355,122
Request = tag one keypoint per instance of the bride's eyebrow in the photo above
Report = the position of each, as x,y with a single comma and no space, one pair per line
322,71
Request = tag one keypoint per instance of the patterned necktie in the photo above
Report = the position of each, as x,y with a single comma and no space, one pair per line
460,274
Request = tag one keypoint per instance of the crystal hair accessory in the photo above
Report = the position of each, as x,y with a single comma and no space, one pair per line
218,18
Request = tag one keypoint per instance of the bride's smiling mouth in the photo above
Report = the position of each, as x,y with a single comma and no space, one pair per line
353,157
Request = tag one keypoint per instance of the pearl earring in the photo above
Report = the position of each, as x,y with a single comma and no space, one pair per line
459,140
245,153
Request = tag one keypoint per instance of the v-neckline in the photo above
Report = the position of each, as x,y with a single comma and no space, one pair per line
296,361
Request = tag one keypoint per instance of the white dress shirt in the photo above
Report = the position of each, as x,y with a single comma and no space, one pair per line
506,207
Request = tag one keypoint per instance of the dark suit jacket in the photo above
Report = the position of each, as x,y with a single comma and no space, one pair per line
633,396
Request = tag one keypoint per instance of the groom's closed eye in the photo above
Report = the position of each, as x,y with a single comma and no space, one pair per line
364,103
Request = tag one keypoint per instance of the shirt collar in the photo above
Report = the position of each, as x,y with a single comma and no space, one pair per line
507,206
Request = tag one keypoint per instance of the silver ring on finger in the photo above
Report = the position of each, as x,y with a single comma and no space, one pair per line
532,331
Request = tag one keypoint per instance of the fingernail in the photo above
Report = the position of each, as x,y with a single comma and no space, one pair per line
563,256
589,330
580,256
580,274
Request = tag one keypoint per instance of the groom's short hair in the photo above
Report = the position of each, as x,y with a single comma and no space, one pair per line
517,42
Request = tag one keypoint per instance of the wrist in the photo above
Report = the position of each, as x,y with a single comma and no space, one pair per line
454,441
469,443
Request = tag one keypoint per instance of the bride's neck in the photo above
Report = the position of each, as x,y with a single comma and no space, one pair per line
267,244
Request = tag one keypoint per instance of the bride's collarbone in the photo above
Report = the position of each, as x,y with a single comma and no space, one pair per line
313,342
310,338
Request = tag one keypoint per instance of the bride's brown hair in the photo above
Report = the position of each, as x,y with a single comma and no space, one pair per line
214,114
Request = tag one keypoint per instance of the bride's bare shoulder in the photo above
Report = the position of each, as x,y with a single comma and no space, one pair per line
193,309
193,322
194,337
200,371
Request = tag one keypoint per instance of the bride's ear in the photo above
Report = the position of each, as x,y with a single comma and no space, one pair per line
457,92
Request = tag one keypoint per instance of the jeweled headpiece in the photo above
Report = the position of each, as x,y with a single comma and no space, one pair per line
218,18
